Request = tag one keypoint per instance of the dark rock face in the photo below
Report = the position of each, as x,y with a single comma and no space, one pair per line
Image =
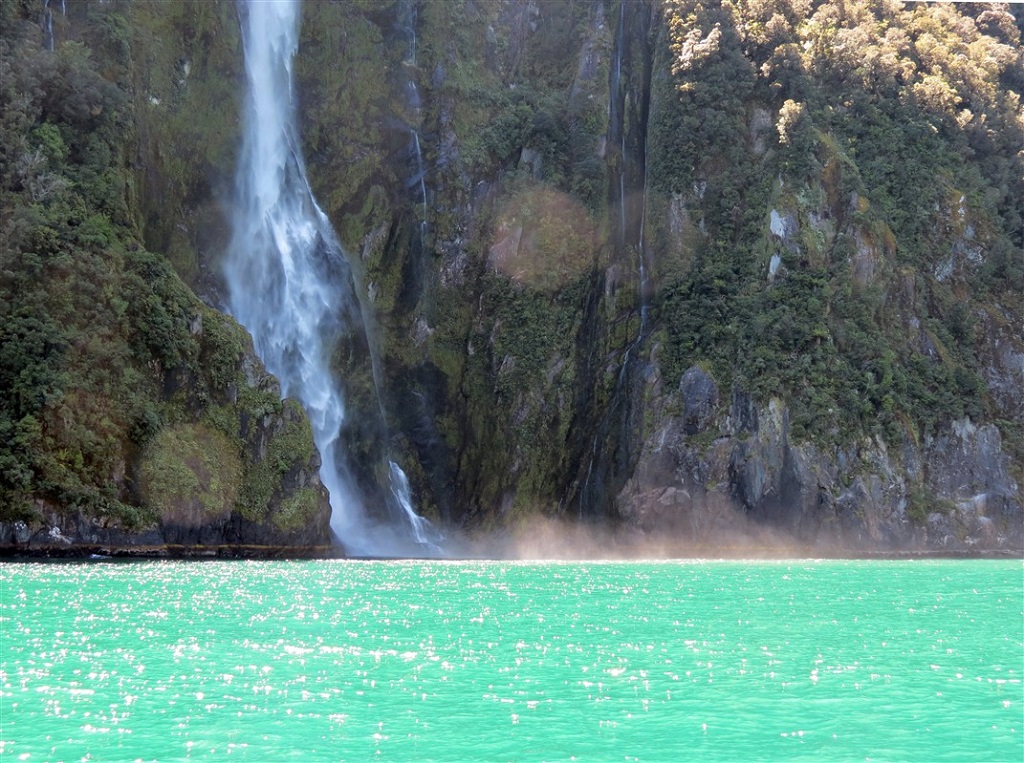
1002,350
967,467
700,399
752,484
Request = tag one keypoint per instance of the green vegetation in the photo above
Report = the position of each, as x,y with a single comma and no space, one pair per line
189,472
921,503
297,510
894,150
542,238
182,68
291,446
343,117
121,394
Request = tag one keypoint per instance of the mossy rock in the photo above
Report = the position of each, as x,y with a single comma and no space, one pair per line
298,510
190,475
289,447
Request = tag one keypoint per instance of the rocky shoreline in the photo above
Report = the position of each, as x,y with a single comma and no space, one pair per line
84,553
92,552
284,553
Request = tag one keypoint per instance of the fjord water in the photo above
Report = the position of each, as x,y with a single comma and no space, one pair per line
291,285
499,661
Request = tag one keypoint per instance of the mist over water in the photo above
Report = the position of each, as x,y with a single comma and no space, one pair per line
291,286
729,536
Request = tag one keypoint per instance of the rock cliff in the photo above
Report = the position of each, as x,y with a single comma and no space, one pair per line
727,468
725,271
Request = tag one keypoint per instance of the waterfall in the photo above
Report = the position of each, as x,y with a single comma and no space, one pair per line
47,26
405,25
617,118
422,531
641,252
290,283
46,23
421,173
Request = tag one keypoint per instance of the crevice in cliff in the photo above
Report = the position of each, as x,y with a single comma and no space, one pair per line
613,430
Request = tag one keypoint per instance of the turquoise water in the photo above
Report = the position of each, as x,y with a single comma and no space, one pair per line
503,661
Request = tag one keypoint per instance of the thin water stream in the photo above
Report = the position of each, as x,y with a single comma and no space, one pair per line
49,41
407,19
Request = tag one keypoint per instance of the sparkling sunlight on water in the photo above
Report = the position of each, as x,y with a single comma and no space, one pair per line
460,661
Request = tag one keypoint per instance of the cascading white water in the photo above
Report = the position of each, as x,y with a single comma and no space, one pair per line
617,120
49,40
422,531
288,280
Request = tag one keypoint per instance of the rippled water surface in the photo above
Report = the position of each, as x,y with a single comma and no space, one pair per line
497,661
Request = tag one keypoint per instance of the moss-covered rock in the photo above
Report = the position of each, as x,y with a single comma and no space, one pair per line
189,476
